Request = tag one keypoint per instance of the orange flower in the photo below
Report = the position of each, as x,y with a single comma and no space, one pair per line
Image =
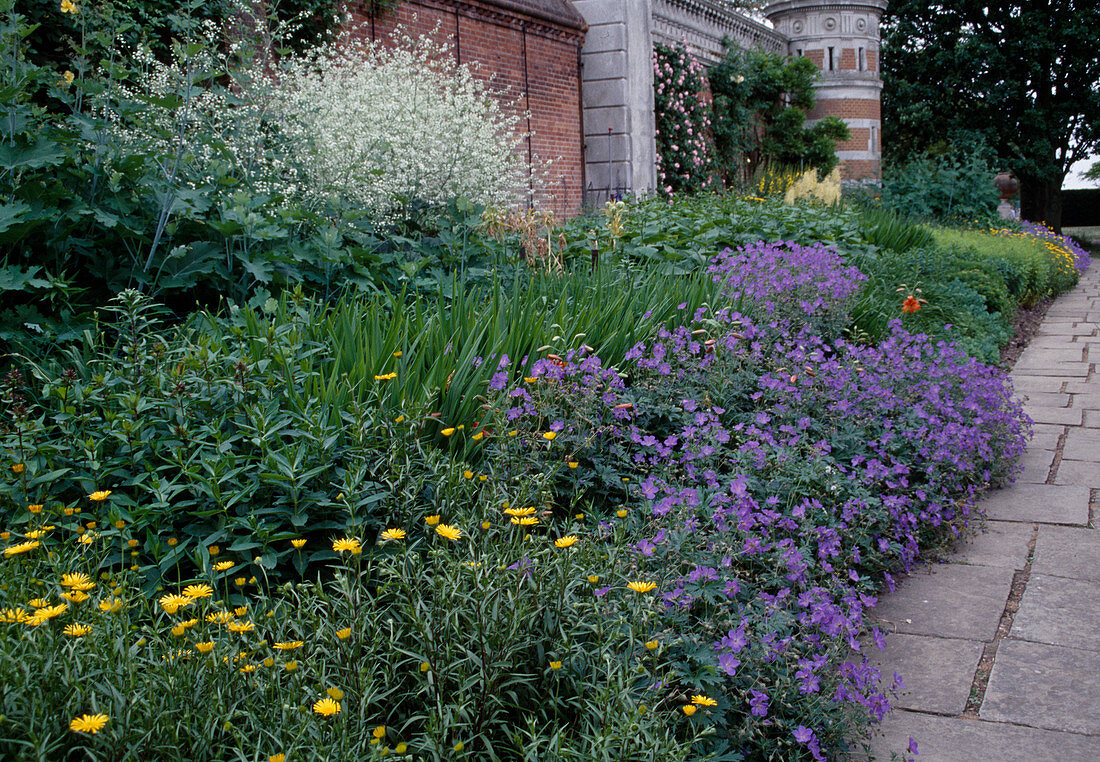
911,304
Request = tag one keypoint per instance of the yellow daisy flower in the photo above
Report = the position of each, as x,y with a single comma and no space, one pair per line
393,534
23,547
194,592
87,723
99,496
77,581
642,587
565,542
172,603
448,531
77,630
326,707
223,565
298,543
347,545
289,645
703,701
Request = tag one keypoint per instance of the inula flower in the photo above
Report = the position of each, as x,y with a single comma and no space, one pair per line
289,645
393,534
642,587
205,646
689,709
326,707
100,495
344,634
431,520
565,542
223,565
14,616
347,545
76,596
525,521
703,701
520,511
23,547
194,592
549,435
47,613
334,693
298,543
77,581
88,723
448,531
379,732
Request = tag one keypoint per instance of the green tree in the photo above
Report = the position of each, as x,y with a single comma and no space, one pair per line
760,106
1023,76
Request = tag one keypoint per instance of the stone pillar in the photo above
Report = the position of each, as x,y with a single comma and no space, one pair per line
620,149
842,38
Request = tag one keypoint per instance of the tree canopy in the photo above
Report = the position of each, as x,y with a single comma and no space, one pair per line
1023,76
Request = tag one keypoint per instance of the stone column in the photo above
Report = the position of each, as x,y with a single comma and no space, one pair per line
620,149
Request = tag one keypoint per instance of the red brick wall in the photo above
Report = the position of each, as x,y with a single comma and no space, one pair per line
847,59
860,169
846,108
872,60
534,63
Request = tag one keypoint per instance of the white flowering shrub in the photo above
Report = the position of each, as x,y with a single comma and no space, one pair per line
381,127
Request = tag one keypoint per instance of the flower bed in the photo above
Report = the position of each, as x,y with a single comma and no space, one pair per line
666,557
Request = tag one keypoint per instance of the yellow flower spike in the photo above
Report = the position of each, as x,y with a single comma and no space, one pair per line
298,543
449,532
326,707
100,495
344,634
379,732
431,520
642,587
335,693
565,542
689,709
87,723
448,431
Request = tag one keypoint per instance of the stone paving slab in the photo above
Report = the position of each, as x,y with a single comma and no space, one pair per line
1046,435
1001,543
1082,444
1077,369
1047,399
1092,419
1036,463
953,601
1044,503
1059,611
1045,687
1028,384
1035,354
943,690
1068,552
952,739
1059,415
1077,385
1078,472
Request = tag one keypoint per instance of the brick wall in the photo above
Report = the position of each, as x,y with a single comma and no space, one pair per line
532,61
846,108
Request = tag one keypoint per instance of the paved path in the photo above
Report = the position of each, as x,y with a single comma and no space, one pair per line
999,647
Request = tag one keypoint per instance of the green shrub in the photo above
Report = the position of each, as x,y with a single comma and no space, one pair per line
951,187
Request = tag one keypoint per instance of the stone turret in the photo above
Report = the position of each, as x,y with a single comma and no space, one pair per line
842,38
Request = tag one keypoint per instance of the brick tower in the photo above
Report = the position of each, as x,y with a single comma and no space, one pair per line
842,38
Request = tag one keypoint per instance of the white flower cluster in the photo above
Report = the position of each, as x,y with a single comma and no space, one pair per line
382,126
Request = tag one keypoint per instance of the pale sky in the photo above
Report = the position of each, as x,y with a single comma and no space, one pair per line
1074,179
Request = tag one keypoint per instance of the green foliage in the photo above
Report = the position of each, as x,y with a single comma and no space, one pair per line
885,229
952,187
683,120
954,67
760,104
